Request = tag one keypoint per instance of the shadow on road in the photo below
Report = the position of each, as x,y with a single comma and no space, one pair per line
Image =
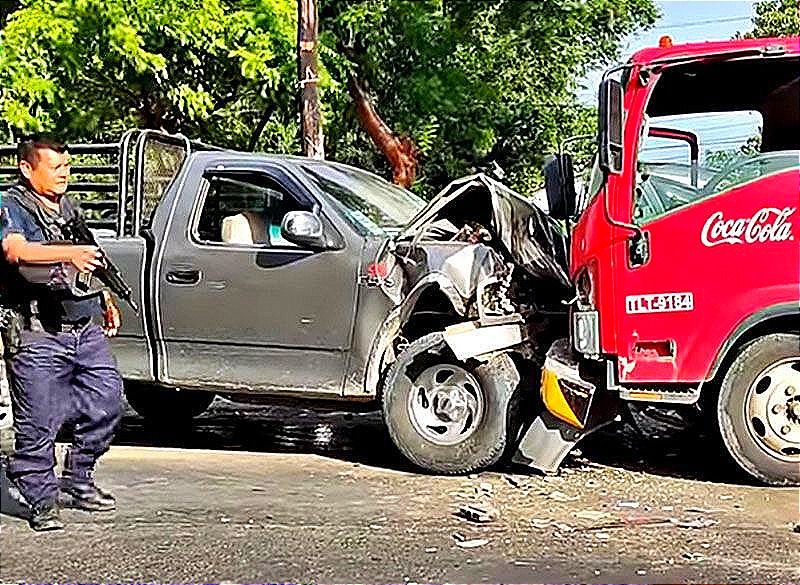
362,438
351,436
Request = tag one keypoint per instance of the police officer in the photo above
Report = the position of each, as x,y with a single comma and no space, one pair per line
63,370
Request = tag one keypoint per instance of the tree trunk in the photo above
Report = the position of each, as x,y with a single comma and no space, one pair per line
313,140
398,150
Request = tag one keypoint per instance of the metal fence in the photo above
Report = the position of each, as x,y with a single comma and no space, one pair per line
118,185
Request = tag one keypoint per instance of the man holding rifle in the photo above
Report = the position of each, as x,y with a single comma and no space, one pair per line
61,366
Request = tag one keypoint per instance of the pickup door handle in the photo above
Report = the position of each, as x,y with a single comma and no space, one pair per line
183,276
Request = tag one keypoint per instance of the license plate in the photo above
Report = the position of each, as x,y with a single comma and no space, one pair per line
659,303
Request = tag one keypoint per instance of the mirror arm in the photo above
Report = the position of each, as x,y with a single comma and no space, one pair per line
620,224
613,69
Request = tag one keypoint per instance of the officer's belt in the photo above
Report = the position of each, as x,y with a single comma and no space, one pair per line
60,326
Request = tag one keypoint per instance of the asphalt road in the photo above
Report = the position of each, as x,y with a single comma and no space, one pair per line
255,494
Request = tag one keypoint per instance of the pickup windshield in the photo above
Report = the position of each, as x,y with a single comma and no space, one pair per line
373,206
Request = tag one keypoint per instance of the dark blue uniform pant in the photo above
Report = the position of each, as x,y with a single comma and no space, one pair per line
57,378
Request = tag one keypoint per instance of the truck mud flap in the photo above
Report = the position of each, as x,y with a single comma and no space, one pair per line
548,440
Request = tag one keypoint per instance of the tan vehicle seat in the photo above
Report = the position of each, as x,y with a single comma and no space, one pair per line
246,228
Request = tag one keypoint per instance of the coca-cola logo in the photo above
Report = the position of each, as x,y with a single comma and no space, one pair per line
768,224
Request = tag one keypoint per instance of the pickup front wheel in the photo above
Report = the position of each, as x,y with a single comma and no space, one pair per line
758,410
448,416
160,404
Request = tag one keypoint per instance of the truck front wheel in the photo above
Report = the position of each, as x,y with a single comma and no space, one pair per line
758,409
160,405
448,416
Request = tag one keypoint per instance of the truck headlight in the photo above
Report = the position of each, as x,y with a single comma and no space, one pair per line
586,332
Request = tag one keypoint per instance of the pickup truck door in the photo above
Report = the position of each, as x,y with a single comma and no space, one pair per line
239,307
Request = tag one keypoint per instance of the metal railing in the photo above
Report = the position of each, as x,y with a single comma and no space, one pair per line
118,185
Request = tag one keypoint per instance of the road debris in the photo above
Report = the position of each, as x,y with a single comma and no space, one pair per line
540,522
627,504
726,497
602,535
431,549
593,515
705,510
478,514
694,557
695,523
629,521
461,541
561,496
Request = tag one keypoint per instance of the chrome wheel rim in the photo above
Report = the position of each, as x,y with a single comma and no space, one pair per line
446,404
772,409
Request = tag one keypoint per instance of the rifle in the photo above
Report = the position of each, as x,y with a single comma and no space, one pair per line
65,276
107,273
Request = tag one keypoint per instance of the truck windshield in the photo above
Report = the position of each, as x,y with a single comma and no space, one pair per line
372,205
706,131
729,155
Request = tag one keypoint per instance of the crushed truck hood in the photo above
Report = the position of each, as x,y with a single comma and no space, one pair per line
533,240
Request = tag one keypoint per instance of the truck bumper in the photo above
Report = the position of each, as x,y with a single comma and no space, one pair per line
565,394
574,407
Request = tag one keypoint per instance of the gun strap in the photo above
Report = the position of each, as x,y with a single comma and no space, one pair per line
51,224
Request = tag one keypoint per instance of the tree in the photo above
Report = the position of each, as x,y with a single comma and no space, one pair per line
775,18
720,159
452,86
6,8
216,69
468,82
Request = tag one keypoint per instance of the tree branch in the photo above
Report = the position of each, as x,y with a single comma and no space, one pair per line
400,151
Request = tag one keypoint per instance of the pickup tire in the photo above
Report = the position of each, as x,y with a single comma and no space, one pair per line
159,404
447,416
758,409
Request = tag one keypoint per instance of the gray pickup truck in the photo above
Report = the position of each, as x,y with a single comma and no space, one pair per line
274,278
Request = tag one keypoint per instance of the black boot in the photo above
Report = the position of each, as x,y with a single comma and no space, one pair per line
86,496
45,517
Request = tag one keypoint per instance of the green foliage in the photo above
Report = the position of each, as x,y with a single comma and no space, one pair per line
775,18
471,82
209,68
720,159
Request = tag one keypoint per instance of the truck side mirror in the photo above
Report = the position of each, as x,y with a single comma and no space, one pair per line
559,183
304,229
610,126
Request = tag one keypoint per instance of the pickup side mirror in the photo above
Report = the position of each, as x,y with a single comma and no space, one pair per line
304,229
610,126
559,183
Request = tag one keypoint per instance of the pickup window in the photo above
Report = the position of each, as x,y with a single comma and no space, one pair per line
244,209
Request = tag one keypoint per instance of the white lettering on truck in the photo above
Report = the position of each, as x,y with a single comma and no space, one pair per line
768,224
